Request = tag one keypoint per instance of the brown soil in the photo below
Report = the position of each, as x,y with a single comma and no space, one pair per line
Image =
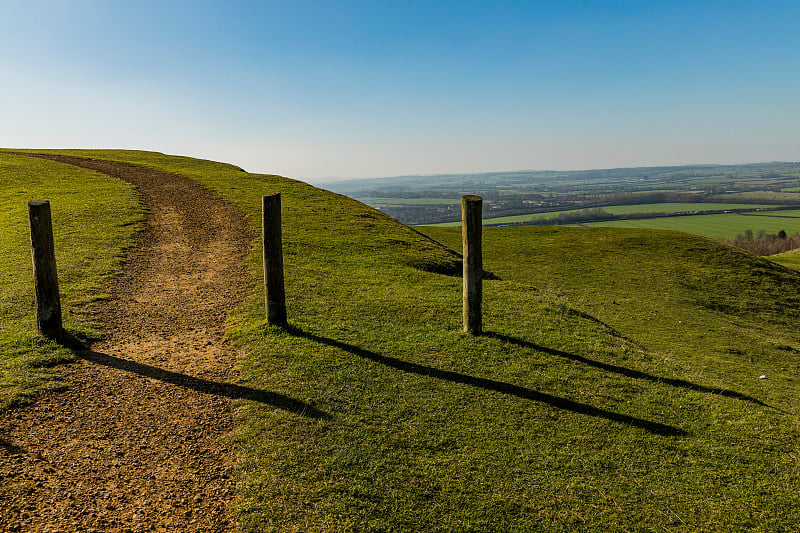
137,442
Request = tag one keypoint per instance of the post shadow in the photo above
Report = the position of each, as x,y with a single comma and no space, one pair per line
627,372
225,390
492,385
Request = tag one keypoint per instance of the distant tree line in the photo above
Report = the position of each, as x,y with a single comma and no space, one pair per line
764,244
597,214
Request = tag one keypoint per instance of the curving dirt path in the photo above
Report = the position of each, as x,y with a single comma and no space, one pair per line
137,441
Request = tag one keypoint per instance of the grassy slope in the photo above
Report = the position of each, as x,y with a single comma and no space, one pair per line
86,255
790,259
711,307
724,316
390,419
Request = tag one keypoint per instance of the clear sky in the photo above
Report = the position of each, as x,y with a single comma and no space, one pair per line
376,88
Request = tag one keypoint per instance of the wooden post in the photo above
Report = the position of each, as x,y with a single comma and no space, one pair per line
273,260
471,228
48,301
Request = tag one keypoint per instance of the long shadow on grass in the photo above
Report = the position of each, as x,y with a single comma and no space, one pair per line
625,371
490,384
225,390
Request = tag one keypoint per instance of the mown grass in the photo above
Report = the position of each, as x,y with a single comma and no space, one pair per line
384,417
94,219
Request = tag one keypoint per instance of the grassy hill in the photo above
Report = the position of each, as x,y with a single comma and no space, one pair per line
710,306
617,387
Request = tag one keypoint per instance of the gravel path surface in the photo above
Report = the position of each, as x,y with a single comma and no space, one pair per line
137,441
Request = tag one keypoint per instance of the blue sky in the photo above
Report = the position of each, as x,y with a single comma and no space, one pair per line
355,89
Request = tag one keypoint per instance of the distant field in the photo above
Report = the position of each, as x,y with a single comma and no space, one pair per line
756,196
377,202
618,210
724,225
677,207
648,191
789,213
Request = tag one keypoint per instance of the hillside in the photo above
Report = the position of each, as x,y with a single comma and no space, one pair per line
617,387
691,299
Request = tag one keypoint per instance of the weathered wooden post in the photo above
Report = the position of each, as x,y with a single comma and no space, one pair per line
273,260
471,229
45,275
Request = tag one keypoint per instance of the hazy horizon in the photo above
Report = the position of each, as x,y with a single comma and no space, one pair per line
333,179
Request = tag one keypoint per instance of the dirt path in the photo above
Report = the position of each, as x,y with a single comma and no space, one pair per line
137,441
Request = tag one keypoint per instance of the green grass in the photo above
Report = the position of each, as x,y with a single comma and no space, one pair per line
723,316
579,411
93,221
788,213
615,210
790,259
717,296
